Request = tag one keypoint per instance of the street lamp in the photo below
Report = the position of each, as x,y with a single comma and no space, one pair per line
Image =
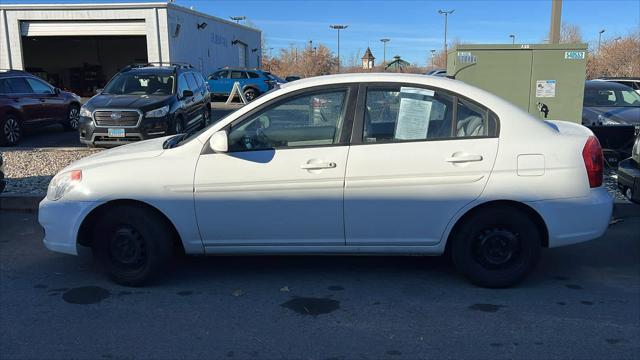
513,38
446,18
384,56
338,27
433,54
600,38
237,19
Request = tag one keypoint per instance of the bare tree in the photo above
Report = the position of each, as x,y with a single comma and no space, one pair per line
616,58
305,62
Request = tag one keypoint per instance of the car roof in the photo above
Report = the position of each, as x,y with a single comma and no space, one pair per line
633,78
12,73
602,84
152,69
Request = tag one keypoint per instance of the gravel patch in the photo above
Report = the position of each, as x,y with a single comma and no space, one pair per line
29,171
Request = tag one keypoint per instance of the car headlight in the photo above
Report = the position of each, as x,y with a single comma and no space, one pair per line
63,183
159,112
84,112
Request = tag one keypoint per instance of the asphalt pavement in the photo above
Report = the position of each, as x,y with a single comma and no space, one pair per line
583,301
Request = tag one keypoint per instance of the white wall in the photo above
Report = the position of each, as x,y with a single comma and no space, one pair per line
212,47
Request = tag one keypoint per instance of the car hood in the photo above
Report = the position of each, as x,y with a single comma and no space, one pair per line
138,150
623,115
126,101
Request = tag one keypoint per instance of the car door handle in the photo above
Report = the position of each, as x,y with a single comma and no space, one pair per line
464,158
317,166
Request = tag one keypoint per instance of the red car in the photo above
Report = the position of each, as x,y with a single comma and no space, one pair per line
26,101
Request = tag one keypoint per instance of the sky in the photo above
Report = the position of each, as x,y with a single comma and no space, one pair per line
414,27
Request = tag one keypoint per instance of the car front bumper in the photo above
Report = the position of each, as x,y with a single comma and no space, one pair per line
91,134
61,221
575,220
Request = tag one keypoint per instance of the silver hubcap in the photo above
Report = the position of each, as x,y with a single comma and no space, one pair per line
74,118
12,131
628,193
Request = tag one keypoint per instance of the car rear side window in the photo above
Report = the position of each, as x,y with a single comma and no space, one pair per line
18,86
4,87
405,113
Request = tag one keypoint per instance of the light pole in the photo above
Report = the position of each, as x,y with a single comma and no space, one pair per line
446,19
384,53
338,27
513,39
237,19
600,38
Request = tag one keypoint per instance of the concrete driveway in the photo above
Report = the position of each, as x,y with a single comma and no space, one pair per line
583,301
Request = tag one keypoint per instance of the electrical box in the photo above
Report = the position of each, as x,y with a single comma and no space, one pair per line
547,80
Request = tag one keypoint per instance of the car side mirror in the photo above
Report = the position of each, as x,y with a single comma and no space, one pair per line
98,91
219,142
187,93
56,91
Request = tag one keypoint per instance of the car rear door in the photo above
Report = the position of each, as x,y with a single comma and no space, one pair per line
24,98
418,156
282,180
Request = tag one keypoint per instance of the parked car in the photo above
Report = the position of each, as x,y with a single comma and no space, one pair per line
2,181
629,174
632,82
26,101
612,112
146,101
397,164
291,78
610,103
253,83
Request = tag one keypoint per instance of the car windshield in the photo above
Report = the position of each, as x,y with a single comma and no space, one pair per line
140,84
614,97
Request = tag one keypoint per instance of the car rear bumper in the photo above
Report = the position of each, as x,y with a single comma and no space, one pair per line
575,220
61,221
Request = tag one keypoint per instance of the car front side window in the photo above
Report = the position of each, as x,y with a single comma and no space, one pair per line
182,84
314,119
39,87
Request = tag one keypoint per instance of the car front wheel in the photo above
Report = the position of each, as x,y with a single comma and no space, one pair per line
133,244
496,247
73,118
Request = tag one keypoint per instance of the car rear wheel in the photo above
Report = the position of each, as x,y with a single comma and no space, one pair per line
250,94
628,193
73,118
10,131
496,247
133,244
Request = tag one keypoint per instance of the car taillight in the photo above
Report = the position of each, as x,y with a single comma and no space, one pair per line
593,161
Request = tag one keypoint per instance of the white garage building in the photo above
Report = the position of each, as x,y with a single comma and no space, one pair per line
80,46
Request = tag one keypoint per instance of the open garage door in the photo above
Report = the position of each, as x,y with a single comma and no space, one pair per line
80,64
86,28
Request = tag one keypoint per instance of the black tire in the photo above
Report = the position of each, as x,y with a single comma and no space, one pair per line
178,126
496,247
133,244
10,131
73,118
206,120
250,94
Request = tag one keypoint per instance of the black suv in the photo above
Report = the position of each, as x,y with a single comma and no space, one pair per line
146,101
26,101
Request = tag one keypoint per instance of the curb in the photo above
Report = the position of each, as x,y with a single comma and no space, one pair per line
28,203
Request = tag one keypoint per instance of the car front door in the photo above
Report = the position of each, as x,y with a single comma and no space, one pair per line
281,182
418,156
52,105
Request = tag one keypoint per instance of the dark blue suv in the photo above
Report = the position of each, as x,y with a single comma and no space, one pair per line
253,83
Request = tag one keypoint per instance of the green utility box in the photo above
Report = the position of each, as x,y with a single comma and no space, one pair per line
547,80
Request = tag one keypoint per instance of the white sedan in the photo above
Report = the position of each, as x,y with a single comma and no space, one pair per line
345,164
